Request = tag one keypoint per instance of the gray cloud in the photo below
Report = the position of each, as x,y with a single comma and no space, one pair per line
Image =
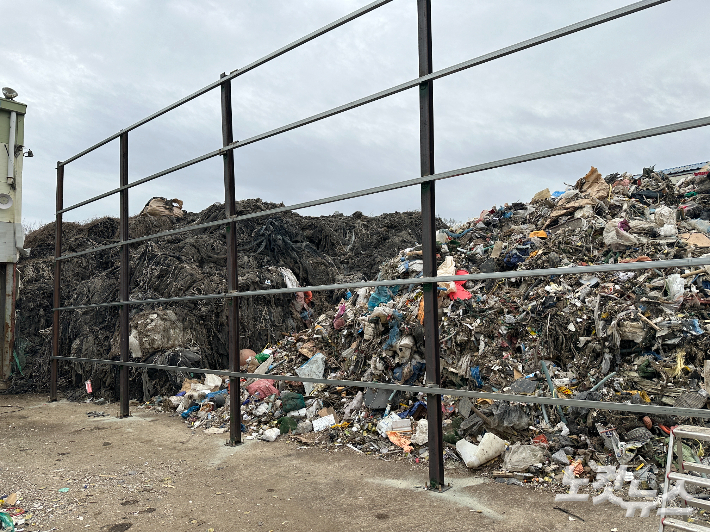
87,69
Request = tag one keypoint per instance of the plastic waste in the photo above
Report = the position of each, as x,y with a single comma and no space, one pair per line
304,427
563,428
385,424
292,401
314,369
701,225
664,216
560,457
615,235
400,440
676,287
213,381
262,409
382,294
461,292
521,457
244,356
287,424
186,413
263,387
421,435
299,414
6,522
410,372
322,423
271,434
354,405
404,347
611,440
476,376
448,267
510,416
668,230
474,456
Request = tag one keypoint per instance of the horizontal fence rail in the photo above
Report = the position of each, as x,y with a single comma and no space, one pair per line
486,58
534,156
427,180
513,274
251,66
494,396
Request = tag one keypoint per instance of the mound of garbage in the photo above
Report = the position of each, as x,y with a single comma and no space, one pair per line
312,250
625,337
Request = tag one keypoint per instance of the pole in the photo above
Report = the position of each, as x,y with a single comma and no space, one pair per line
230,208
431,307
124,410
57,282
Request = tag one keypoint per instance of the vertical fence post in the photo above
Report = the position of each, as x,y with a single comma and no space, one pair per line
235,411
431,307
54,370
125,279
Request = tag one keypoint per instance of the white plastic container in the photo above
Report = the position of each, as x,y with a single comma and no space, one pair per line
474,456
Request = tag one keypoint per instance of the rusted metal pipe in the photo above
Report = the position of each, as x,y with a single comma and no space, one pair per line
431,306
57,283
230,208
125,279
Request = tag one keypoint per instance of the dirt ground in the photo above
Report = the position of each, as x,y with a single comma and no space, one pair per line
151,472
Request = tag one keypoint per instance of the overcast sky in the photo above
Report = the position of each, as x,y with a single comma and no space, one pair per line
87,69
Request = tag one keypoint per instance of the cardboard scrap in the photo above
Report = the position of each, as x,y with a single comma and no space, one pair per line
695,239
566,207
187,384
308,349
329,412
593,184
541,196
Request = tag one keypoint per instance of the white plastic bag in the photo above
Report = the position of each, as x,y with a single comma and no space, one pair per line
520,457
314,369
676,287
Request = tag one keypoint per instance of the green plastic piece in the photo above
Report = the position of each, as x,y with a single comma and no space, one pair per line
287,424
7,523
292,401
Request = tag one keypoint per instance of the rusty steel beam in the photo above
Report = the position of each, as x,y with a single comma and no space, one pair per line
125,279
431,307
57,283
230,209
9,294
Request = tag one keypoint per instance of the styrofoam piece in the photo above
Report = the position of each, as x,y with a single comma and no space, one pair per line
322,423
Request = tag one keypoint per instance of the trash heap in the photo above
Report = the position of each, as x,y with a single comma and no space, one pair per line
637,337
318,250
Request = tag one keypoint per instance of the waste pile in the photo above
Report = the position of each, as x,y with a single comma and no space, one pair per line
637,337
626,337
317,250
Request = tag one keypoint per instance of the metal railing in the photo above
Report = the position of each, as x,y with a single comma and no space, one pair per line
426,181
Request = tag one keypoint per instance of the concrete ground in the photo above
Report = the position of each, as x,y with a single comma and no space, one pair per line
151,472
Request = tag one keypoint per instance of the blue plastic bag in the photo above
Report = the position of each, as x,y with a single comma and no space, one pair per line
476,376
382,294
186,413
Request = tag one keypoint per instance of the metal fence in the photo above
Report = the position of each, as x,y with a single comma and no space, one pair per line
427,182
